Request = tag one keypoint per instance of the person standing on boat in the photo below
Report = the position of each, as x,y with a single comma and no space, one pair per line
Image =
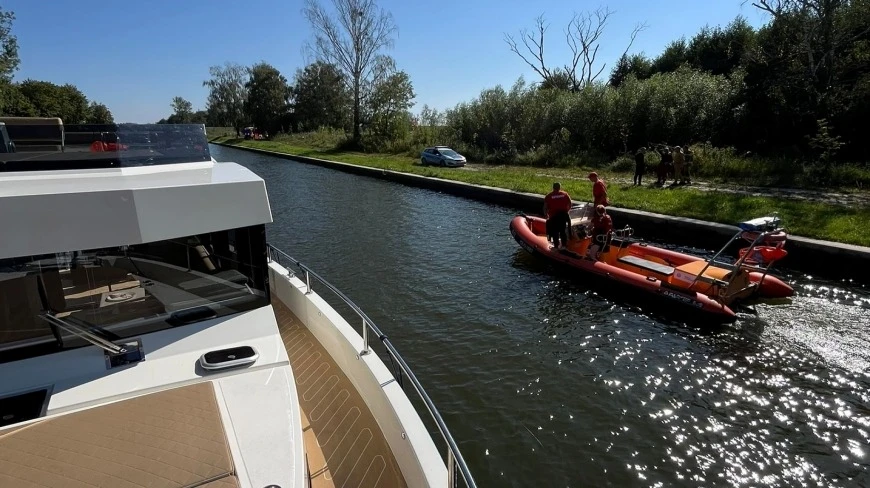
557,203
599,190
639,166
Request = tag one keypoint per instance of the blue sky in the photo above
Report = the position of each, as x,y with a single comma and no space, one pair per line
136,56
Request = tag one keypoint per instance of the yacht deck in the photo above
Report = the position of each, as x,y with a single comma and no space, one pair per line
344,445
168,439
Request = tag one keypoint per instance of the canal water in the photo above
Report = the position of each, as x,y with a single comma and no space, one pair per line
544,382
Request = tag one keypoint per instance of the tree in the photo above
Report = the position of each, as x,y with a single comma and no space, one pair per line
227,95
268,97
582,35
321,97
557,80
823,31
13,103
719,51
199,117
353,42
50,100
182,110
675,55
8,47
430,117
99,114
636,64
387,109
810,63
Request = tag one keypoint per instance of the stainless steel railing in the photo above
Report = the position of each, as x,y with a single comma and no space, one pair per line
454,459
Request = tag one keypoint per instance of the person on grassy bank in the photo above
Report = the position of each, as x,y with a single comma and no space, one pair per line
679,162
687,168
662,170
557,203
639,166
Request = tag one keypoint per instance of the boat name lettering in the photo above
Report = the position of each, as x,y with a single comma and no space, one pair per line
682,298
525,245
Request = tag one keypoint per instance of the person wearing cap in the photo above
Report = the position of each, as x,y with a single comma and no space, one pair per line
599,190
602,224
557,203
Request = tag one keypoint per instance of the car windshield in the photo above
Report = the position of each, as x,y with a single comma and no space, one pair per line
125,291
450,153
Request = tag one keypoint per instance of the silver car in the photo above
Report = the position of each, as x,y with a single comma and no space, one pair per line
442,156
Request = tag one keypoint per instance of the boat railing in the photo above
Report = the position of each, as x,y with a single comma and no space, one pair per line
454,460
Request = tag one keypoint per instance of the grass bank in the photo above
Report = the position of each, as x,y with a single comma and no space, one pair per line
810,219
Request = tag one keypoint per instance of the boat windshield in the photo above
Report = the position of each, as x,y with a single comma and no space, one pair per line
125,291
48,144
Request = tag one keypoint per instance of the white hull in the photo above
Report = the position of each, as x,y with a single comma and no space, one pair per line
410,443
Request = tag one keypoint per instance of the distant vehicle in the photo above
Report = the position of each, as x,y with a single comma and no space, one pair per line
442,156
253,133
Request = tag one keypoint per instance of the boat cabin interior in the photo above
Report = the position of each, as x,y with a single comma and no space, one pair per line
128,290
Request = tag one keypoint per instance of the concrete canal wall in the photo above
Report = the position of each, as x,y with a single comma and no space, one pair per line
826,259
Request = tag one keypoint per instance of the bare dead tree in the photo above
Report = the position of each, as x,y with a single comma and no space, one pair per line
820,35
353,41
534,44
582,35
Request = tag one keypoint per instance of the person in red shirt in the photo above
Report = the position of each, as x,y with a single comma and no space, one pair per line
557,203
599,190
602,224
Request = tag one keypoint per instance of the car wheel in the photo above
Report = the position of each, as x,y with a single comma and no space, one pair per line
443,163
422,161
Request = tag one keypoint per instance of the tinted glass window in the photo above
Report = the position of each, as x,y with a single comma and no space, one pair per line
103,146
119,292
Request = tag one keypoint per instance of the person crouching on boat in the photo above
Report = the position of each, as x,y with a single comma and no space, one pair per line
557,203
602,224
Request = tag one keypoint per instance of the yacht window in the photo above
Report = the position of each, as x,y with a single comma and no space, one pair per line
125,291
46,144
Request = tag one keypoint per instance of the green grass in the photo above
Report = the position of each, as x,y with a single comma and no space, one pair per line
809,219
215,132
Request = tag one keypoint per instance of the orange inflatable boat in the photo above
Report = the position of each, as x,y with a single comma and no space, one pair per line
711,287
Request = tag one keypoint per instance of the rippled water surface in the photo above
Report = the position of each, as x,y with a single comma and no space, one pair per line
544,382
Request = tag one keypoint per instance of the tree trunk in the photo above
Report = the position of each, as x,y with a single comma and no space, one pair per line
356,129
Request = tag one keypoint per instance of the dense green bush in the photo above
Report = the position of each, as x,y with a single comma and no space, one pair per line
547,127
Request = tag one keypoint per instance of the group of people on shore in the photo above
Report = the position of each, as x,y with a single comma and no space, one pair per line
557,204
675,162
